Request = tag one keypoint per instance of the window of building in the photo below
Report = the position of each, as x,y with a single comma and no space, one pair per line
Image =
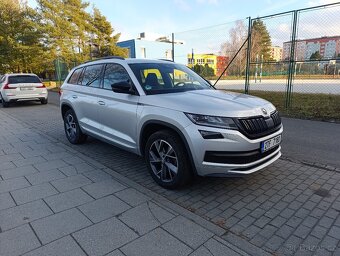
143,52
200,61
210,61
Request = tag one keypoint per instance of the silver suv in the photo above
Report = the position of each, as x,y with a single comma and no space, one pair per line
173,117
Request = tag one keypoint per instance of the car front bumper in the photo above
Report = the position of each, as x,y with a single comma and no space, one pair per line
232,155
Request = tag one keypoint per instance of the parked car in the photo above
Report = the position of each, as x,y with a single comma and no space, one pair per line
173,117
19,87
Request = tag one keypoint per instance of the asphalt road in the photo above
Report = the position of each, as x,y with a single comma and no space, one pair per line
326,86
303,140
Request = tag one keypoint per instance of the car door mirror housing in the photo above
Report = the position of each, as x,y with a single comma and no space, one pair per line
123,87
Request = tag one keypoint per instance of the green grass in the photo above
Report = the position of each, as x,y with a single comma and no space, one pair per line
323,107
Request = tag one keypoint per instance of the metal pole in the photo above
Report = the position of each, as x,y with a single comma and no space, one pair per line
256,67
291,62
246,85
192,59
90,51
261,65
59,72
173,47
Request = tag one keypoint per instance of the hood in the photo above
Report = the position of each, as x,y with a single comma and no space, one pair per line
211,102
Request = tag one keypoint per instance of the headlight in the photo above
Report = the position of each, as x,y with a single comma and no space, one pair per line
213,121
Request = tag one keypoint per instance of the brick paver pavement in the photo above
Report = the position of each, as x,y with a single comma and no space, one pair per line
56,201
288,208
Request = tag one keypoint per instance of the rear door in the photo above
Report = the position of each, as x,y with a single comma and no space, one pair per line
84,98
118,111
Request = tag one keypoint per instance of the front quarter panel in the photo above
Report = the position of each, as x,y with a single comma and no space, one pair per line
147,114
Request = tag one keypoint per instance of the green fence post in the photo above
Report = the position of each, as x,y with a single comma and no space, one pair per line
288,97
246,85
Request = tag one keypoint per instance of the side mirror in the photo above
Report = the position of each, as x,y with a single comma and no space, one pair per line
123,87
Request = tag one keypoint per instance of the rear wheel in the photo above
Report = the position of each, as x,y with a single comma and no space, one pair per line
44,101
167,159
3,102
72,128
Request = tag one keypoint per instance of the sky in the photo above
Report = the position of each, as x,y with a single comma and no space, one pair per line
162,17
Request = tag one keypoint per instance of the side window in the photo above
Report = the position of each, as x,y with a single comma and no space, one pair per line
91,76
114,73
75,76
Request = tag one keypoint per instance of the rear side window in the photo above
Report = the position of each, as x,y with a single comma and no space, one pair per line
114,73
91,76
75,76
23,79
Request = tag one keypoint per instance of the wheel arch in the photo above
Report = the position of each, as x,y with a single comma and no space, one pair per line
64,108
152,126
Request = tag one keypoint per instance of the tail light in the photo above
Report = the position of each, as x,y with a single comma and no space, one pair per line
60,92
41,86
6,87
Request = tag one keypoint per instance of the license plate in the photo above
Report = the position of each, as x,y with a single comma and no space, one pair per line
269,144
26,89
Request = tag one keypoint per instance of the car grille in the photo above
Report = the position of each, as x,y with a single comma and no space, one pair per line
259,126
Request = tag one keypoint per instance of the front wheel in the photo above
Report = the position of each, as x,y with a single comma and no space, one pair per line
167,159
72,128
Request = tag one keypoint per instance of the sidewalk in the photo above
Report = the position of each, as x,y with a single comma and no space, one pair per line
57,201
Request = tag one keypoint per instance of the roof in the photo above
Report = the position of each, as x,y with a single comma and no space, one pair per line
126,60
21,74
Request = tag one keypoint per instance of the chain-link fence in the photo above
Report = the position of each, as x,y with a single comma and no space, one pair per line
290,58
209,50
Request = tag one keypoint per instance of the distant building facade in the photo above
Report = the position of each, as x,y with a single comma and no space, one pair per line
276,53
159,49
217,63
328,47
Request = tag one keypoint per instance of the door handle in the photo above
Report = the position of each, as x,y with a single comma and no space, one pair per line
74,96
101,102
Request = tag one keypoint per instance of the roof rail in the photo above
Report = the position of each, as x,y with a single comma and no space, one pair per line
105,58
166,60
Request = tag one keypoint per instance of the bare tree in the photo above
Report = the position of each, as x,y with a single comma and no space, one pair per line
237,36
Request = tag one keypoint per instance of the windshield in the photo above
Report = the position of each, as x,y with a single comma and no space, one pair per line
156,78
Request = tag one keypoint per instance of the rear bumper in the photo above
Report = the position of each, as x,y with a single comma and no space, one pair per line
10,96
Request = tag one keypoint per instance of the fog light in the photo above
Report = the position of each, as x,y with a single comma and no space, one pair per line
208,135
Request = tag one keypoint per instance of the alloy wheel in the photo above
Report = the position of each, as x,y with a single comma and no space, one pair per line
163,160
71,126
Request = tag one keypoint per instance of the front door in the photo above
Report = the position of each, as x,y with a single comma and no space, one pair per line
118,111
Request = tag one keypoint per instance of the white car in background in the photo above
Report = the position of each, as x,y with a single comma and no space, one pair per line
19,87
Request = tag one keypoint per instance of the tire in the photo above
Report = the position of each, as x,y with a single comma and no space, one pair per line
72,128
3,102
44,101
167,160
